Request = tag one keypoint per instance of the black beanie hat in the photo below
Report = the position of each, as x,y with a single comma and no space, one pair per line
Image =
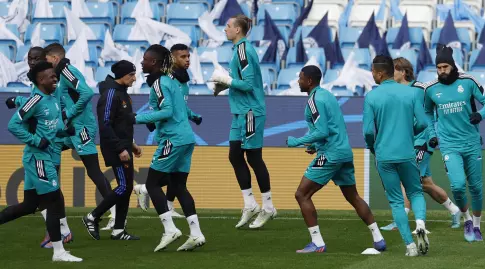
122,68
444,54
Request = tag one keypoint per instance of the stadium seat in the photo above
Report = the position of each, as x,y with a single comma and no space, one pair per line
10,43
415,36
463,35
319,10
427,76
317,52
8,51
22,53
14,29
362,56
101,73
16,89
200,89
476,5
280,13
207,71
480,76
257,33
183,14
192,31
57,12
471,64
297,4
245,9
50,33
224,55
411,55
102,13
121,33
419,15
348,36
287,75
127,10
93,55
208,3
4,9
305,31
457,56
362,11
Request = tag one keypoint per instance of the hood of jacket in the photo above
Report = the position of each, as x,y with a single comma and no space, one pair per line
110,83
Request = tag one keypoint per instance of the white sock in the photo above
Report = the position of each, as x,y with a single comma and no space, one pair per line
168,222
143,189
420,224
451,206
267,201
44,214
90,217
249,200
64,227
170,205
316,236
58,247
194,226
407,210
376,233
113,211
412,245
467,216
476,221
116,231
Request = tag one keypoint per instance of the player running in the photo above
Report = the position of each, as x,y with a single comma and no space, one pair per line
172,160
404,74
36,125
34,56
328,138
388,121
181,56
452,98
77,111
246,100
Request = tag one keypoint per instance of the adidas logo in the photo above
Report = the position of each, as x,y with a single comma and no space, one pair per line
315,232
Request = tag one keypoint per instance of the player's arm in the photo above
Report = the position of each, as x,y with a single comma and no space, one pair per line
78,83
320,124
196,118
369,124
422,121
107,108
477,92
246,69
429,109
165,105
23,114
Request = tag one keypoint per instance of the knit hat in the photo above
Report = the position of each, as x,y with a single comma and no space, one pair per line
122,68
444,54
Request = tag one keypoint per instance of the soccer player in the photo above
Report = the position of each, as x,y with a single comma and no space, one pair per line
246,100
172,160
404,74
388,123
77,111
34,56
328,138
41,180
181,56
452,97
115,120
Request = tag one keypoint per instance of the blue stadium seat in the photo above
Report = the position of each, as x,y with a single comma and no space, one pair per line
332,75
463,35
4,8
57,11
8,51
121,33
317,52
362,56
480,76
269,75
281,14
457,56
183,14
426,76
207,71
50,33
271,66
21,53
348,36
199,89
101,73
192,31
411,55
10,43
93,55
14,29
287,75
16,89
102,13
224,55
208,3
415,36
245,9
471,64
257,33
127,9
304,31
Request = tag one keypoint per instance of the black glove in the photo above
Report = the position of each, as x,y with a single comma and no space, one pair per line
71,130
197,120
151,127
433,142
475,118
132,118
373,151
10,102
44,143
64,116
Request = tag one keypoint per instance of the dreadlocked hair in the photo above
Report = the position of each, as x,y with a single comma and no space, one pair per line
163,56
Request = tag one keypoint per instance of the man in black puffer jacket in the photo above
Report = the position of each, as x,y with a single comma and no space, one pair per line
115,120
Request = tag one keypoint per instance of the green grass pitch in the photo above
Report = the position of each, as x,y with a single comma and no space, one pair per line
345,235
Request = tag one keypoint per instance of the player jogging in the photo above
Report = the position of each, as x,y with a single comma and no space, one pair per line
41,179
404,74
452,98
388,123
246,100
77,111
181,56
328,138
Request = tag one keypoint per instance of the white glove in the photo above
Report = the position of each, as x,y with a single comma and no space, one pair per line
221,78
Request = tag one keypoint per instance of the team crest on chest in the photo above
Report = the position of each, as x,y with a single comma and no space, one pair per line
123,104
460,89
438,95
